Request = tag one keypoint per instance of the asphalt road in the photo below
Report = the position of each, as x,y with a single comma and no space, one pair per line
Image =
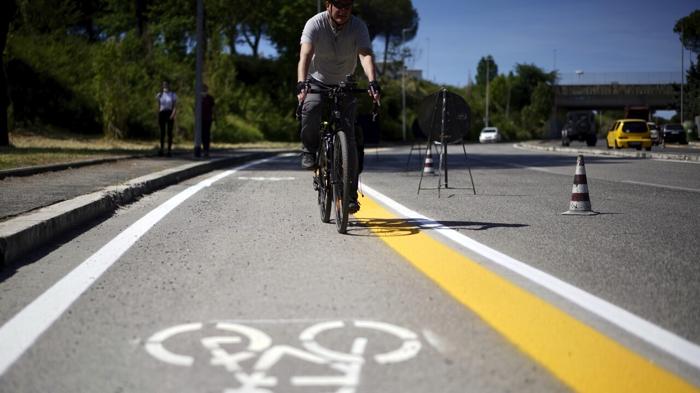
241,288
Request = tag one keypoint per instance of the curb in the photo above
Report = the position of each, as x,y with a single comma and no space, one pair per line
598,152
33,170
33,230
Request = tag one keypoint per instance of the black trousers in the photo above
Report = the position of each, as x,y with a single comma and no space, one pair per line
206,134
166,124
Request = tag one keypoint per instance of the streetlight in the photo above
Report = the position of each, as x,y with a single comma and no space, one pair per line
403,83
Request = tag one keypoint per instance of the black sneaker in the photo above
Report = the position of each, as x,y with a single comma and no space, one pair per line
308,160
353,205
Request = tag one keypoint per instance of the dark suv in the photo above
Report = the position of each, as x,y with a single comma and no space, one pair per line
580,126
675,133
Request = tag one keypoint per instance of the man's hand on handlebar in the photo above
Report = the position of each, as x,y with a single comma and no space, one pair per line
375,91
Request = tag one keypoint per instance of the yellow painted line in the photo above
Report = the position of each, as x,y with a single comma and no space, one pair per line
578,355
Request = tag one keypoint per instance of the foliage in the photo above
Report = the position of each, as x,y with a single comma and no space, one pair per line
688,28
94,66
691,105
486,64
47,85
534,116
392,20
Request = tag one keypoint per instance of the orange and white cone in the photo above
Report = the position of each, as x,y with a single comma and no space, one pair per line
428,166
580,202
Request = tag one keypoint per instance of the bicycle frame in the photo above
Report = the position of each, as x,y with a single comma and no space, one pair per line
328,176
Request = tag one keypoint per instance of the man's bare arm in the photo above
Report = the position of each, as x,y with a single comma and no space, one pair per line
367,62
307,51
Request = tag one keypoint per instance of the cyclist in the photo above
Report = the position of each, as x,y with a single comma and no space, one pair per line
331,43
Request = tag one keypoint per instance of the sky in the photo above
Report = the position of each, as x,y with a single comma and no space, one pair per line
595,37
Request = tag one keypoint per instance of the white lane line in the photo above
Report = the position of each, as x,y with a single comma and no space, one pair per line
261,178
657,336
20,332
641,183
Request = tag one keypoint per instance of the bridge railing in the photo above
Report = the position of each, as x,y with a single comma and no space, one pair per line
621,78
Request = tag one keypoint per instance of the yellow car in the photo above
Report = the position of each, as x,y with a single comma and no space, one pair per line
629,133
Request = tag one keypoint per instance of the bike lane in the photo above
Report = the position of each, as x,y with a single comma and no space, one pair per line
234,290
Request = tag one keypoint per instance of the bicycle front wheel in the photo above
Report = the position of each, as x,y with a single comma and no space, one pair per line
324,185
341,180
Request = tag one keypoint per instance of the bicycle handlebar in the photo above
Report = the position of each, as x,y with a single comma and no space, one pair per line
352,90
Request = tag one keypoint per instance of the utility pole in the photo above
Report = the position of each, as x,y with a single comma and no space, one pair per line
318,6
682,74
198,80
488,76
403,83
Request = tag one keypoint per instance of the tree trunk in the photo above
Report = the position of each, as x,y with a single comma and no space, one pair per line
8,13
140,17
232,35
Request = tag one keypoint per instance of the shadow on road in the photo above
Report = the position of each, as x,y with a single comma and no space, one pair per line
410,226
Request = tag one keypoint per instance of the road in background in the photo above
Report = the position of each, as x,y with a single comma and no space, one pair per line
242,285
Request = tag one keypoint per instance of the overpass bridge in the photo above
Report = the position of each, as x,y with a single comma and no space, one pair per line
605,91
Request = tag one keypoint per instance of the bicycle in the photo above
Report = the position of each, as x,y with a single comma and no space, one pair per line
336,161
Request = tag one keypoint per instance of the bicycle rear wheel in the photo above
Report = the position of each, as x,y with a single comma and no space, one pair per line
341,180
324,185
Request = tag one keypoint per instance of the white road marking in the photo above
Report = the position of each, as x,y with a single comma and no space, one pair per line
20,332
436,341
155,347
658,337
640,183
260,178
345,368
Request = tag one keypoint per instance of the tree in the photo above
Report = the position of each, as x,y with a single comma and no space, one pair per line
389,19
527,78
692,106
484,64
8,10
688,28
534,116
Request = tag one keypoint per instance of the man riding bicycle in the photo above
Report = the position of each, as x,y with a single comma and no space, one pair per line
331,43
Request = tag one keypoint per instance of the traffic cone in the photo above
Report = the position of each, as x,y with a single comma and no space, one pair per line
580,202
428,166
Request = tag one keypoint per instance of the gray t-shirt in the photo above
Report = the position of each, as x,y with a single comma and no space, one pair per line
335,52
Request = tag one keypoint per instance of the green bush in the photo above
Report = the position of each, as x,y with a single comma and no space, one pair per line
48,86
234,129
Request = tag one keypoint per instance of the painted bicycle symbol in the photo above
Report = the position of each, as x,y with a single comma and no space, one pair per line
252,364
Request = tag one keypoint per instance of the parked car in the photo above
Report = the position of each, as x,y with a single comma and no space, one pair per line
629,133
489,134
675,133
654,133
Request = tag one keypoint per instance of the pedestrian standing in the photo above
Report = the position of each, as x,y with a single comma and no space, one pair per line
207,118
167,110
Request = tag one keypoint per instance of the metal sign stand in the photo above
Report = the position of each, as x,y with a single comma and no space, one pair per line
442,163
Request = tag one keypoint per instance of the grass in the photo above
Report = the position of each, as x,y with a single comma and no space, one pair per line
31,148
